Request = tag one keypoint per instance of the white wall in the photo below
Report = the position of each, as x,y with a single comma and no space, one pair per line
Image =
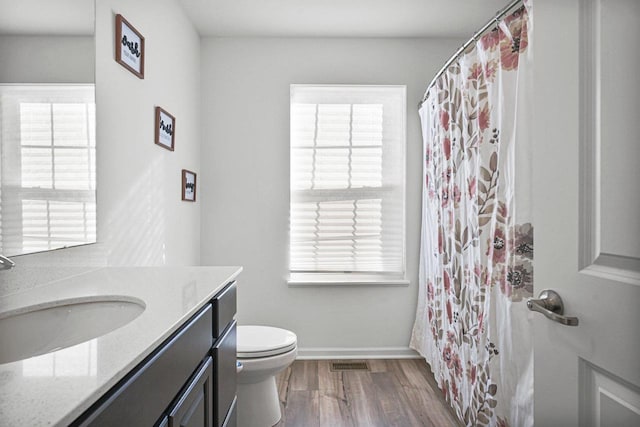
46,59
141,218
245,179
243,174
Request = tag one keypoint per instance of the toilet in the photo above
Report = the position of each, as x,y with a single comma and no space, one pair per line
263,352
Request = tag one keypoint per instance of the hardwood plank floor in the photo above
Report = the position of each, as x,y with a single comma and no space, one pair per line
400,393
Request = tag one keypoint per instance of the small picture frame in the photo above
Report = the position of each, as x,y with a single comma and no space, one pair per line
165,134
188,186
129,47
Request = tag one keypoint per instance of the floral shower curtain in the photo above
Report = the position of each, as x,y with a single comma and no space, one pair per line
476,271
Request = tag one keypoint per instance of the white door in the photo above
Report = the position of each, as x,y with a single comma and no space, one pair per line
587,210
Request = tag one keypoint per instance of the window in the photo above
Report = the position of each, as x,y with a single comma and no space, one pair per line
48,167
347,184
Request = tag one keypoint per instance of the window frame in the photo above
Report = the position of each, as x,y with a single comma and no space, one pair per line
318,278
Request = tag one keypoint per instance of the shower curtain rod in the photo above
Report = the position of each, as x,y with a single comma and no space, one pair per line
481,31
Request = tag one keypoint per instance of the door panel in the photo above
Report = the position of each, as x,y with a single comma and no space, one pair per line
609,133
587,210
607,400
615,21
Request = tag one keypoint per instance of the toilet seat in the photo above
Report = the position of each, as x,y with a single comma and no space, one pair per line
264,341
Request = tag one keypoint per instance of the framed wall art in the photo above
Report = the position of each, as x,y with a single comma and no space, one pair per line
129,47
165,134
188,186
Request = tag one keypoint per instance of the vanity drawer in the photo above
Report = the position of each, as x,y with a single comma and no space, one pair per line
143,396
225,376
224,308
193,408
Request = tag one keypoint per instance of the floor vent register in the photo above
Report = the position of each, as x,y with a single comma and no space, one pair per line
349,366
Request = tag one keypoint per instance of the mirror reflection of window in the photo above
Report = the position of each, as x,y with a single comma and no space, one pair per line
48,174
78,361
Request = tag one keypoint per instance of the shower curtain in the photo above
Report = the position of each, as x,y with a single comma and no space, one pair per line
476,270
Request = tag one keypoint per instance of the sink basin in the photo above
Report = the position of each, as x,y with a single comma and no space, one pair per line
43,328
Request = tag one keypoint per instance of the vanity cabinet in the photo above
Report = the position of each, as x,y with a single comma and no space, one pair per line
224,308
194,405
189,380
194,408
225,355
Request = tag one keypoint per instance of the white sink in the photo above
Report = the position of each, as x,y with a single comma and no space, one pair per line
43,328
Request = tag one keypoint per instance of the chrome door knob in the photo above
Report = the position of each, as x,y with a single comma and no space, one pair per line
550,304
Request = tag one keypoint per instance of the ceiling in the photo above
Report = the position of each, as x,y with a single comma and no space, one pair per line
340,18
274,18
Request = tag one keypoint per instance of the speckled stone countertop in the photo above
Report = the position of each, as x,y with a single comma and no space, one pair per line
55,388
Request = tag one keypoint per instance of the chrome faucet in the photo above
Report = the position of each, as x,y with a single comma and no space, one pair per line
6,263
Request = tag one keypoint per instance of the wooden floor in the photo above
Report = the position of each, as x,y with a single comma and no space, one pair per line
398,393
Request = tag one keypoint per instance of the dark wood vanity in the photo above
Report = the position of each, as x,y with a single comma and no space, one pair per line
189,380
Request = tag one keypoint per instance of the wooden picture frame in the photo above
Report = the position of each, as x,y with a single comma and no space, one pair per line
129,47
165,133
188,186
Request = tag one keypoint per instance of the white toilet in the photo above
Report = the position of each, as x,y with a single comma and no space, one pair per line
263,351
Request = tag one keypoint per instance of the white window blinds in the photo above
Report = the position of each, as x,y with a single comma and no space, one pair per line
48,169
347,179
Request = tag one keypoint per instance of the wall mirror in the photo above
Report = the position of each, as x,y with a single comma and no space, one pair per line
47,125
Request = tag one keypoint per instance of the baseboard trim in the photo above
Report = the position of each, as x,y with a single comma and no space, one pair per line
310,353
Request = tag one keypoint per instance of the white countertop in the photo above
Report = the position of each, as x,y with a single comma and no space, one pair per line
55,388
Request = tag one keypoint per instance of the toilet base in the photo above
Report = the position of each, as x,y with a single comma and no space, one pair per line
258,404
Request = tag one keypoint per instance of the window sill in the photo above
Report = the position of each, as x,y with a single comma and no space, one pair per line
317,279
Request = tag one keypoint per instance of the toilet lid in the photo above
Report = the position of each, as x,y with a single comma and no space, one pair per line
263,341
